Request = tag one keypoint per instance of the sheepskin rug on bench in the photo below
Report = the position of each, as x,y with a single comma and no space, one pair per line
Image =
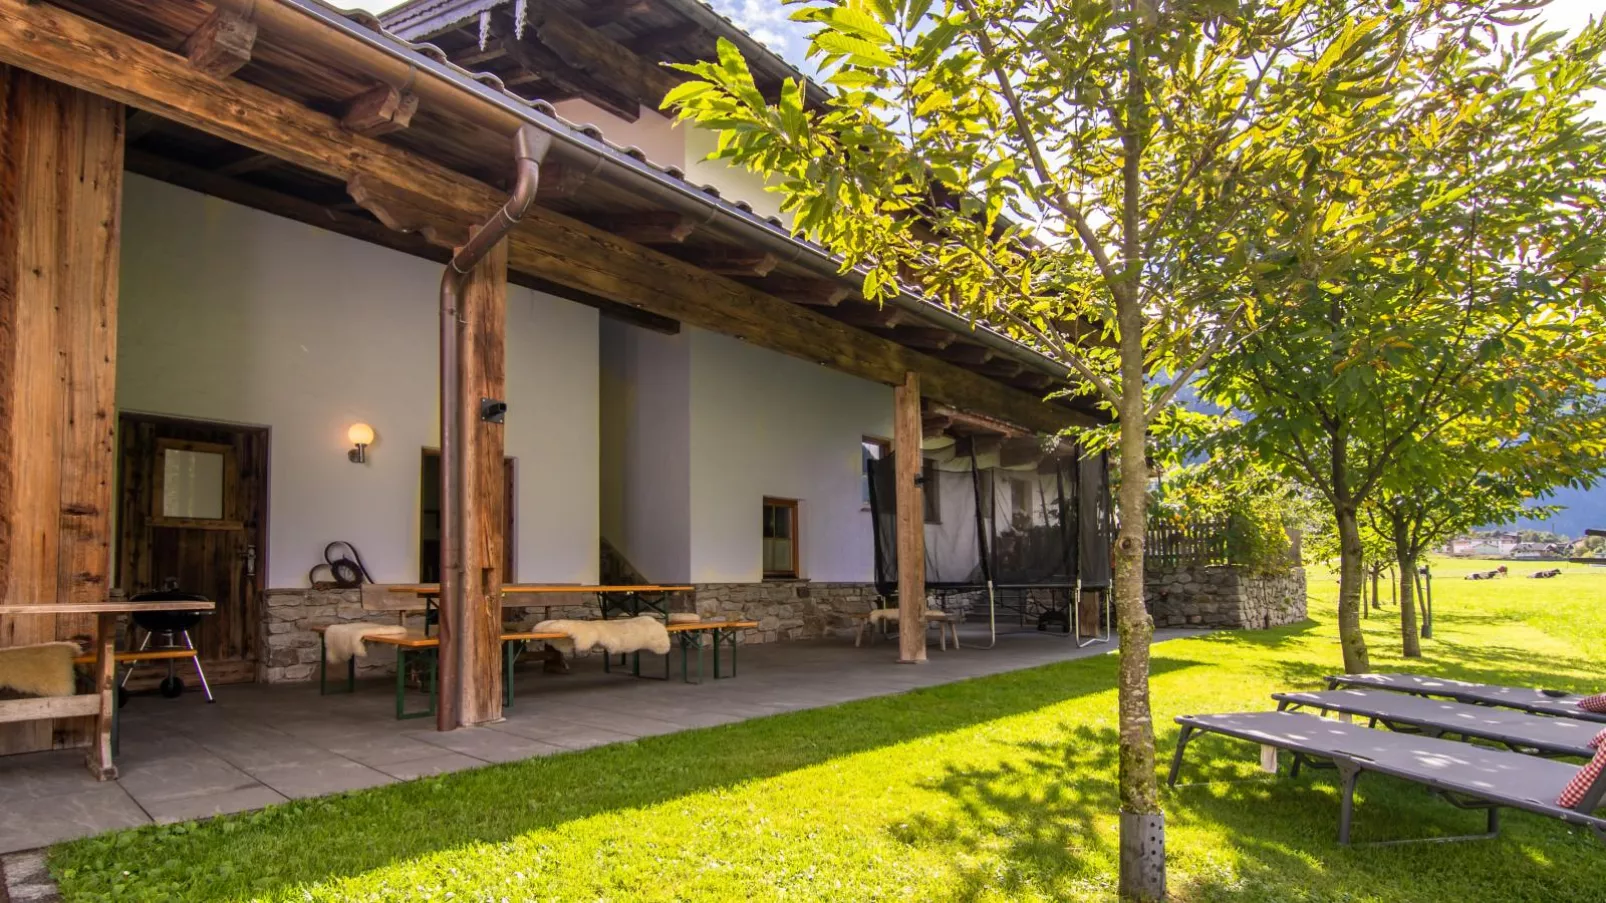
643,633
44,669
342,642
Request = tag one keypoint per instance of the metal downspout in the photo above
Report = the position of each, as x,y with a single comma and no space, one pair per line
457,418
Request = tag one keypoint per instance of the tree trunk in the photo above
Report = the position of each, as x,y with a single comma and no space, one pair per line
1413,643
1349,592
1142,822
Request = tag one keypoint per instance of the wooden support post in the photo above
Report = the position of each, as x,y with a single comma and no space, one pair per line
60,211
105,675
484,317
906,436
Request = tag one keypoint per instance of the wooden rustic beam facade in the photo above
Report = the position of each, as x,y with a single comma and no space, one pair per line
379,111
910,504
222,45
484,316
59,244
66,47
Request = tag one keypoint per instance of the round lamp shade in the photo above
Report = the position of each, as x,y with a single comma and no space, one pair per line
360,434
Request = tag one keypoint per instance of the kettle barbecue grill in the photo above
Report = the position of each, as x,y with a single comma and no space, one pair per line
174,627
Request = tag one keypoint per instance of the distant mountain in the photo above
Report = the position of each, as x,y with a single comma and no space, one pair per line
1583,510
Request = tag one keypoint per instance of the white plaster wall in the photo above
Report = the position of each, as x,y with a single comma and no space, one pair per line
646,448
764,424
734,184
232,314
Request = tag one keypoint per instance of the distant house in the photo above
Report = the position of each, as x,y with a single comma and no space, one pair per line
1485,545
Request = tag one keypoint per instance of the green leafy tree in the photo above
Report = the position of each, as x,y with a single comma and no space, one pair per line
1067,168
1461,280
1487,470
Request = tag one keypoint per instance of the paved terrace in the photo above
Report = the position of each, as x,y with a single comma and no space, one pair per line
259,745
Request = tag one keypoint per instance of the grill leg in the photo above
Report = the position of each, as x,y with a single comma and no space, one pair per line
129,671
205,688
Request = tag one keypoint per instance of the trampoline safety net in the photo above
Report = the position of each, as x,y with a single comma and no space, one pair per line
1047,524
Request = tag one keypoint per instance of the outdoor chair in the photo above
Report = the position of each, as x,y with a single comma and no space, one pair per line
1527,699
1520,731
1466,776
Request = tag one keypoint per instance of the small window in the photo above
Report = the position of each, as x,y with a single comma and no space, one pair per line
195,482
780,538
933,491
873,450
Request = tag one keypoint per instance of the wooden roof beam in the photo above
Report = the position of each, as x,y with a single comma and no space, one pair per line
379,111
966,353
806,290
648,227
1001,367
614,10
663,37
926,338
74,50
247,164
559,181
221,45
735,262
478,57
1033,380
541,60
869,316
588,50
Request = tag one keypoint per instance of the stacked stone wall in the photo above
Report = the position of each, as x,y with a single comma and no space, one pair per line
1224,597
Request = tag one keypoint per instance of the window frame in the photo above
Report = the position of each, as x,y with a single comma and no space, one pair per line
797,557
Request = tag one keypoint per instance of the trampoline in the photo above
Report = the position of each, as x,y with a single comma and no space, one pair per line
1023,541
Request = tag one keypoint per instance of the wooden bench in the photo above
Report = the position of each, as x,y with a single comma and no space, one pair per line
102,703
426,646
947,627
690,635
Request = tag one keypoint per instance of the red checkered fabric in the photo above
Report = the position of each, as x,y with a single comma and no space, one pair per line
1573,794
1597,740
1596,703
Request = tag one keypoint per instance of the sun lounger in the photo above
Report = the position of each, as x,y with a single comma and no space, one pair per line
1467,776
1521,731
1526,699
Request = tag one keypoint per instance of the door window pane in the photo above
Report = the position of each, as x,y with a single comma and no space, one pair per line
780,538
192,484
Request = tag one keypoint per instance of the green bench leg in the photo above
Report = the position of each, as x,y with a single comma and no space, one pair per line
401,684
323,669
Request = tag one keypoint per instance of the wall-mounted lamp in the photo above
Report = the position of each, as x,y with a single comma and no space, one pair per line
362,436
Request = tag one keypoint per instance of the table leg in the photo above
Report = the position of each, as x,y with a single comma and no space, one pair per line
100,759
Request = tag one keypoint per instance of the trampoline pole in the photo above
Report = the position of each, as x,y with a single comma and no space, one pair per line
992,615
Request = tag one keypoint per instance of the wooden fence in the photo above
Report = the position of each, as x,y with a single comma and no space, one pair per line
1170,545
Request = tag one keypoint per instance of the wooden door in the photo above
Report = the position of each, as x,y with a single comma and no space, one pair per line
192,516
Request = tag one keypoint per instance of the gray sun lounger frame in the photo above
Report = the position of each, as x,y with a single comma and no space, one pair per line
1517,730
1526,699
1355,750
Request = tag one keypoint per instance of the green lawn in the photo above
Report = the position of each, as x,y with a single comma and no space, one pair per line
993,789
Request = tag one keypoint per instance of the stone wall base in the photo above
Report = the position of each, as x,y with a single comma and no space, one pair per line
784,610
1224,597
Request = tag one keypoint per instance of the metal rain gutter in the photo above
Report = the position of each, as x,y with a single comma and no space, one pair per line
401,65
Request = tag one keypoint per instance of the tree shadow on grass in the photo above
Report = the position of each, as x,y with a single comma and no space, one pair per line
273,852
1031,818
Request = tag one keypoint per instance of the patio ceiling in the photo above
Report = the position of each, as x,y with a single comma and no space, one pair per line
411,173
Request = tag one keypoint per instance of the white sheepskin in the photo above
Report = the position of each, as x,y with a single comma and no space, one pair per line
343,642
643,633
44,669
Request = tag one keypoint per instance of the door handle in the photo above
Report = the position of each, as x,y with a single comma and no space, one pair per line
250,555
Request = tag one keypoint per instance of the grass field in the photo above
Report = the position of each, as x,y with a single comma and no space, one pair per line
993,789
